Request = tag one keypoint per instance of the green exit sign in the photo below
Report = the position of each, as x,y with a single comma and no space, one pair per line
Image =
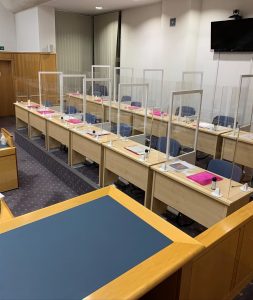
1,48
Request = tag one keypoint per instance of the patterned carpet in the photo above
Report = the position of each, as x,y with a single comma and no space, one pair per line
39,188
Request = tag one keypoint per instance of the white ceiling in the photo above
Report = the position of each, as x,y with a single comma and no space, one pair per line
79,6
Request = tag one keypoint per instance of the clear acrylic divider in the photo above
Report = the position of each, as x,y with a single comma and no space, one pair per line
101,85
49,89
122,75
192,80
180,143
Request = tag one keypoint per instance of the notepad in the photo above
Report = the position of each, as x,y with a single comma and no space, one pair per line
179,166
139,150
204,178
97,133
206,125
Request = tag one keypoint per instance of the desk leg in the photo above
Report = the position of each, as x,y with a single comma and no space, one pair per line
148,192
76,158
109,177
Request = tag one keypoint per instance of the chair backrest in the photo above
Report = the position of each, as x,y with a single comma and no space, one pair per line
71,110
126,98
175,147
225,169
224,121
186,111
97,93
136,103
103,90
47,103
125,129
90,118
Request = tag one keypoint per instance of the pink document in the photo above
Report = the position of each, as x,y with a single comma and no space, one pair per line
204,178
133,107
46,112
74,121
158,113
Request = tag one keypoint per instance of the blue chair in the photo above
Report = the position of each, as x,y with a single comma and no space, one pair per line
224,121
186,111
71,110
175,147
103,90
90,118
225,169
126,98
125,130
136,103
47,103
97,93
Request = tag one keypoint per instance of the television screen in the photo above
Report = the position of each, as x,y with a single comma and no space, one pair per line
232,35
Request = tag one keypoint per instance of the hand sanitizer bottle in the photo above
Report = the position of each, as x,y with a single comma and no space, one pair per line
3,140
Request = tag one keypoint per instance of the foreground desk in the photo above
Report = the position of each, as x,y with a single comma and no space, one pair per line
5,213
85,145
118,161
240,152
194,200
102,245
8,164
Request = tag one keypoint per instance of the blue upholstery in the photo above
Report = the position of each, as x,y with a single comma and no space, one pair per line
71,110
186,111
97,93
47,103
90,118
73,253
175,147
125,130
225,169
224,121
103,90
136,103
126,98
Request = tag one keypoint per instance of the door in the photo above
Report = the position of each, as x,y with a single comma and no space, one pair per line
6,89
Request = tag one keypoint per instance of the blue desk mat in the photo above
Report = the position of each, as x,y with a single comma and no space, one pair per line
73,253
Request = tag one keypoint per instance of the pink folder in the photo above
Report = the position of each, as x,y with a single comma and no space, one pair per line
74,121
203,178
158,113
46,112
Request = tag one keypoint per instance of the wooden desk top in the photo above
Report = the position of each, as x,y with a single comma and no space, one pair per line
100,140
230,190
142,277
244,136
155,157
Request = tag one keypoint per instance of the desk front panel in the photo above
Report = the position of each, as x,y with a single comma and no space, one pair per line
126,168
243,155
86,147
125,117
22,114
58,133
8,170
37,122
201,208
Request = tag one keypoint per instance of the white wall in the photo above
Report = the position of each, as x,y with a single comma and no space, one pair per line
27,28
149,41
35,29
7,30
46,17
231,65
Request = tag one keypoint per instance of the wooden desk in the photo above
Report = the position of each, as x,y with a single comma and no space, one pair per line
119,161
22,115
150,277
126,115
8,164
85,145
93,105
194,200
58,133
242,153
